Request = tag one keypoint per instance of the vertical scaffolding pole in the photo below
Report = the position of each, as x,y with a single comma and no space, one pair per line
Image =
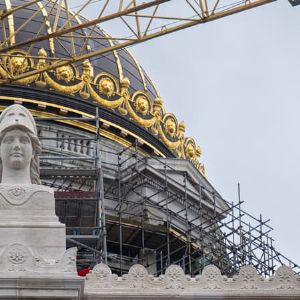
168,216
249,246
142,254
272,256
188,231
100,194
243,242
120,216
233,236
201,220
242,258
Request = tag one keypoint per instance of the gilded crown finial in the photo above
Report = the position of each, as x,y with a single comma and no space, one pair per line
198,151
125,82
158,101
42,53
181,126
88,70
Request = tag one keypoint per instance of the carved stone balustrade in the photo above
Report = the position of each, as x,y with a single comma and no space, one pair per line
138,284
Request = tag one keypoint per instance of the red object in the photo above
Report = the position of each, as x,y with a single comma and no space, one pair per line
83,272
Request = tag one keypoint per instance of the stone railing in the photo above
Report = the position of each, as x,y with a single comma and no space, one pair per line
101,283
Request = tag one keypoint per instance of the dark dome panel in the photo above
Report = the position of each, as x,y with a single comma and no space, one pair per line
151,89
131,71
113,81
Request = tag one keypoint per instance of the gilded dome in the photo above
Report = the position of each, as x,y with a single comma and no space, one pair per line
130,107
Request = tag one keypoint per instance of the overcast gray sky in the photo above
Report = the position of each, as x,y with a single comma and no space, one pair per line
235,83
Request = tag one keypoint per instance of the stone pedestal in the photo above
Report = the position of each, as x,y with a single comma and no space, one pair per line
27,217
34,262
41,287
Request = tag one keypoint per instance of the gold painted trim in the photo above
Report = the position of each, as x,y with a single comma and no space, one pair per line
116,55
118,62
154,86
11,26
85,126
139,69
47,23
76,18
149,115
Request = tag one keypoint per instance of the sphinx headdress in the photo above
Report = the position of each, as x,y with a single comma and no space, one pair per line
16,116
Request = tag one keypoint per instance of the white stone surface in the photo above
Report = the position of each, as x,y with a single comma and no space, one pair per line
41,287
27,213
34,262
138,284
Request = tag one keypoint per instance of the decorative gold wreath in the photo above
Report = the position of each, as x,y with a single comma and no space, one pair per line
107,92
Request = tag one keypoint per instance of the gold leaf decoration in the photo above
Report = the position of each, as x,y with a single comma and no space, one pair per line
106,91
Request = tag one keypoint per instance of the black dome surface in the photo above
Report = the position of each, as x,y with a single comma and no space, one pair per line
119,63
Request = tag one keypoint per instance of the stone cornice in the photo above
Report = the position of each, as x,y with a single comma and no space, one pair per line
209,285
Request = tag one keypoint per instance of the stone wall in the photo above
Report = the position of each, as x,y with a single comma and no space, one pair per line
138,284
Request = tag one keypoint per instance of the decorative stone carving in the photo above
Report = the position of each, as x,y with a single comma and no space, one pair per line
16,195
284,279
32,239
20,147
211,278
175,277
209,284
100,277
68,261
247,278
16,258
137,276
20,195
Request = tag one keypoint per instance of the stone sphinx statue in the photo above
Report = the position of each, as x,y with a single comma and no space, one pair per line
20,147
32,240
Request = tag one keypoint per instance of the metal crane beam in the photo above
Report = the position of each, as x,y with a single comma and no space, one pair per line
141,21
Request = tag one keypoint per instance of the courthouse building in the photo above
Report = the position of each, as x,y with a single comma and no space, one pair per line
129,184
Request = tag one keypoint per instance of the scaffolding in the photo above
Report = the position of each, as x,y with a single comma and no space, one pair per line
126,207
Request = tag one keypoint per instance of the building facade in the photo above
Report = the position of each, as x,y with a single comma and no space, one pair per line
130,186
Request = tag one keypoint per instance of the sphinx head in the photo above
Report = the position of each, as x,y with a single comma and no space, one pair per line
19,146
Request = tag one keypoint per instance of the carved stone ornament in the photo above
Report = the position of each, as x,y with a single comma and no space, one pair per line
210,278
137,276
284,279
16,195
17,116
19,195
174,283
18,258
33,241
101,277
175,277
247,278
